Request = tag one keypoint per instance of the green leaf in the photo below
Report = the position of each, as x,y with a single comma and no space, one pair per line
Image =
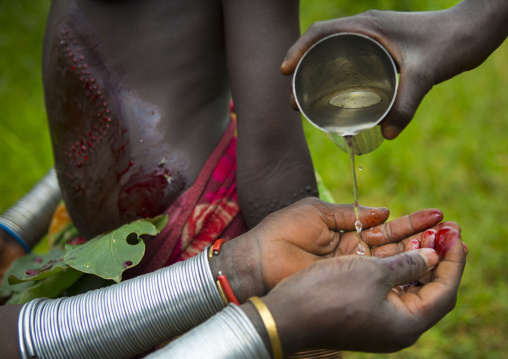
35,267
109,255
159,222
33,276
50,287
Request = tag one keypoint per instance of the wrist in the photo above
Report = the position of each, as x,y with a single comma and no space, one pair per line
134,315
482,25
254,317
292,329
228,334
239,260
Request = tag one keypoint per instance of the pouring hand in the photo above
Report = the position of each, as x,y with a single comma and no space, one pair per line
428,47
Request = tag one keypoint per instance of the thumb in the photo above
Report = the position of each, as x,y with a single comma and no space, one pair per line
413,86
407,267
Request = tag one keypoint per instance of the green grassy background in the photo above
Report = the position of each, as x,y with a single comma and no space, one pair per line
453,156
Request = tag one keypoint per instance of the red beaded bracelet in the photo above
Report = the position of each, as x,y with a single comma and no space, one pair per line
225,290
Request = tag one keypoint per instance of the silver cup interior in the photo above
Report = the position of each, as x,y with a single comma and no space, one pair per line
345,83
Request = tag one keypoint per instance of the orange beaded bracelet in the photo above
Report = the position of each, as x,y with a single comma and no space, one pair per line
223,286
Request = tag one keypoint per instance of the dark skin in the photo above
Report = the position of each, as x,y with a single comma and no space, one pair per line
135,112
10,249
428,47
369,317
326,235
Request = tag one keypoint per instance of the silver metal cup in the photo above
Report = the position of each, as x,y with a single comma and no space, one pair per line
345,84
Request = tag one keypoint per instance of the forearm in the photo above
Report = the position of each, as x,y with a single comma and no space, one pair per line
486,23
274,163
274,181
229,334
8,332
125,319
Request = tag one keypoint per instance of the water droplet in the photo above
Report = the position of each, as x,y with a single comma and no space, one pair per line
358,226
360,168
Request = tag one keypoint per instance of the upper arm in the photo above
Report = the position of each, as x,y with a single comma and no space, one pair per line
258,35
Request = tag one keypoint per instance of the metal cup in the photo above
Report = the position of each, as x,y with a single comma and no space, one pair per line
345,84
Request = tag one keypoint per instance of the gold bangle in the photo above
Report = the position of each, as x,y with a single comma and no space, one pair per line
222,294
270,326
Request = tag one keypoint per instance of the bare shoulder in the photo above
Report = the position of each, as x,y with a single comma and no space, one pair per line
127,83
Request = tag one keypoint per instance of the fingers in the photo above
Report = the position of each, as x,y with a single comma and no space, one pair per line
362,23
292,102
403,227
340,218
413,86
438,297
345,217
426,239
295,52
409,266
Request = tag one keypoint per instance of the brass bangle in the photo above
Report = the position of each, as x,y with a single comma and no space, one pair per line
270,326
222,294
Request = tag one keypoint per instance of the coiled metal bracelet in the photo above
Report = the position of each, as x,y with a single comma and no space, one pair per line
28,219
122,320
229,334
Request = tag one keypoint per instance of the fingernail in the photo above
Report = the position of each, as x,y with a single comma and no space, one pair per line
284,63
429,239
413,244
390,132
440,238
450,242
436,214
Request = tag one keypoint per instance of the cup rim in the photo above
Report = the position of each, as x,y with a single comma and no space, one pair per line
378,44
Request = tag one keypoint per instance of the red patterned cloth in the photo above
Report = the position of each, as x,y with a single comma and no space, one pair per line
205,212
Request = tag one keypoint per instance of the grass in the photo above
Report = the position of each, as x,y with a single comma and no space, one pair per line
453,156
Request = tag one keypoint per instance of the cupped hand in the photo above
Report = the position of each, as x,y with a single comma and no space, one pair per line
428,48
346,302
310,230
